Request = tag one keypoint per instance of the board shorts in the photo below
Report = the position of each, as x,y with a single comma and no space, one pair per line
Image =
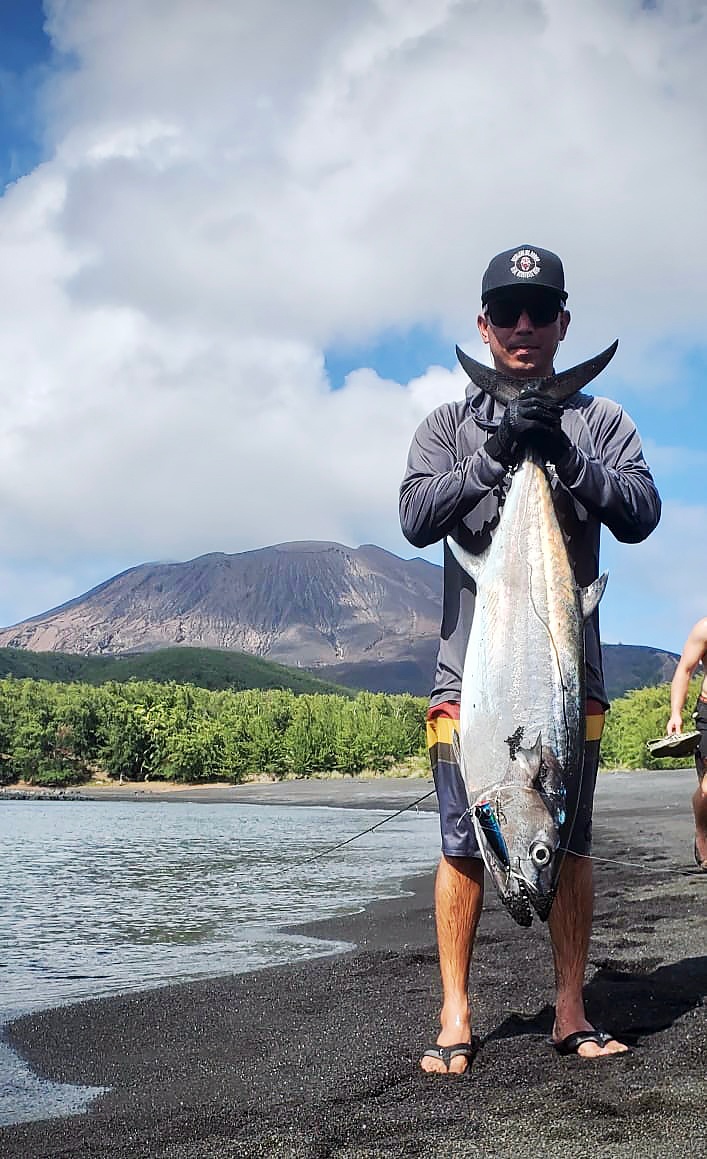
458,837
700,715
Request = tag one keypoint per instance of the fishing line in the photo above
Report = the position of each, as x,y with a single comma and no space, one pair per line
629,864
383,821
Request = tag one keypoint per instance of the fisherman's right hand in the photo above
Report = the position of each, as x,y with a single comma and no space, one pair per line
525,420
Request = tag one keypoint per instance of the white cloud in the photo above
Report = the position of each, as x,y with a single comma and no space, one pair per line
233,188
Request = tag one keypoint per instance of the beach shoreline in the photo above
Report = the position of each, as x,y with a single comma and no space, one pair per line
320,1059
355,792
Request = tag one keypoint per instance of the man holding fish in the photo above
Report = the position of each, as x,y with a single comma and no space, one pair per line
518,478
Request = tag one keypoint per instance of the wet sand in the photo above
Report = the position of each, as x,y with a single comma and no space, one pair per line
320,1060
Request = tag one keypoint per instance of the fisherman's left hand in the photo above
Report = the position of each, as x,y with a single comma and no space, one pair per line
548,437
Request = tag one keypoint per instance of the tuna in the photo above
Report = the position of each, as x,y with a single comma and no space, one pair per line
521,734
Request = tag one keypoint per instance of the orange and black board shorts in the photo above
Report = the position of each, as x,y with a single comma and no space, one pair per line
458,837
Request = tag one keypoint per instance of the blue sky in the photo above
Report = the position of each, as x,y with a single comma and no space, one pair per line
238,244
25,54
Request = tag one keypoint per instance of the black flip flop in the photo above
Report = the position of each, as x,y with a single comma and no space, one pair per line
467,1050
572,1043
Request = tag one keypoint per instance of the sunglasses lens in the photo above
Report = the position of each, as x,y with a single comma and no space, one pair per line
504,313
541,310
544,312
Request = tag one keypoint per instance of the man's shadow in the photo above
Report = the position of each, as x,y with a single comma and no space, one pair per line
630,1003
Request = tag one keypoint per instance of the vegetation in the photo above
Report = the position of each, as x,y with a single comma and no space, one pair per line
637,717
62,734
66,733
205,667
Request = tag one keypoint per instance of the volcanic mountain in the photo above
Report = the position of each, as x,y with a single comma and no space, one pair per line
361,616
303,604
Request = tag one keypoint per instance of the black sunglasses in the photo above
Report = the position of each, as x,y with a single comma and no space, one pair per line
541,310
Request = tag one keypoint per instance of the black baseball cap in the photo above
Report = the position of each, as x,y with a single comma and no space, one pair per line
526,265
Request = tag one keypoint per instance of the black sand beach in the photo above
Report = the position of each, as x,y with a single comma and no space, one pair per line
320,1060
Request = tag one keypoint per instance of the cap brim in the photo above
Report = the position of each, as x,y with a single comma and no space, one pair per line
485,297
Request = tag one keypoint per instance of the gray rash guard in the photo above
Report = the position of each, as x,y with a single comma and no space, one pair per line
453,486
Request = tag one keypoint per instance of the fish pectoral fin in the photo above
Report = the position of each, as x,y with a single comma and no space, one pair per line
589,597
549,776
471,564
530,760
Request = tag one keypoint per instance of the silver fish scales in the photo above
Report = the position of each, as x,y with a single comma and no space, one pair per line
522,715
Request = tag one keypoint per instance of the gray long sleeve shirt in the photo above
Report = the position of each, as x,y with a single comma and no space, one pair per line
453,486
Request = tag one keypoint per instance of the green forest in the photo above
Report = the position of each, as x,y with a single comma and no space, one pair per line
206,667
59,734
55,734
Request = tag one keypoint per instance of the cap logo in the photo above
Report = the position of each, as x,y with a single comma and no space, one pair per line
525,264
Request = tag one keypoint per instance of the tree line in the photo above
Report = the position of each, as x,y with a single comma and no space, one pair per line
640,716
57,734
62,734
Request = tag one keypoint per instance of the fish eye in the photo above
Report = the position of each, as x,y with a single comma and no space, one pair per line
540,854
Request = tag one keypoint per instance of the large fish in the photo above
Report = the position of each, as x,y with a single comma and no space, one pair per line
522,716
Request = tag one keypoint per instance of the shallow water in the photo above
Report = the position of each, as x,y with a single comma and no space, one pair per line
99,898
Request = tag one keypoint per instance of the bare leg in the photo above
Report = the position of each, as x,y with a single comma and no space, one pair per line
570,925
459,895
699,808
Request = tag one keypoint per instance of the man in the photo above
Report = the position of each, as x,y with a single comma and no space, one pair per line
456,473
694,652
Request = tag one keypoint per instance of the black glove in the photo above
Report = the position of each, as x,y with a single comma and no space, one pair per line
532,420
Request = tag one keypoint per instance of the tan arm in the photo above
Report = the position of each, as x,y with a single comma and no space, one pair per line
693,652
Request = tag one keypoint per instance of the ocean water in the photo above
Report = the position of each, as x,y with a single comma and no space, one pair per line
99,898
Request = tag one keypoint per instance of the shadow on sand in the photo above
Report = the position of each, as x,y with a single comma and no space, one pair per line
632,1003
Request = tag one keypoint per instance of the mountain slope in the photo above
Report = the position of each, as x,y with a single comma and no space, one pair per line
360,617
298,603
628,666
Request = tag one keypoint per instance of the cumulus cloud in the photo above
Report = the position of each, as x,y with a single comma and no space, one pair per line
231,190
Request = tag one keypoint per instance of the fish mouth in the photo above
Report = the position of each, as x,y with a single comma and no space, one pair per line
517,902
518,893
541,902
520,896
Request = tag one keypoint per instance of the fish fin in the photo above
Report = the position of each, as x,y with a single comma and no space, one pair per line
530,760
471,564
499,386
548,781
589,597
557,386
563,385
